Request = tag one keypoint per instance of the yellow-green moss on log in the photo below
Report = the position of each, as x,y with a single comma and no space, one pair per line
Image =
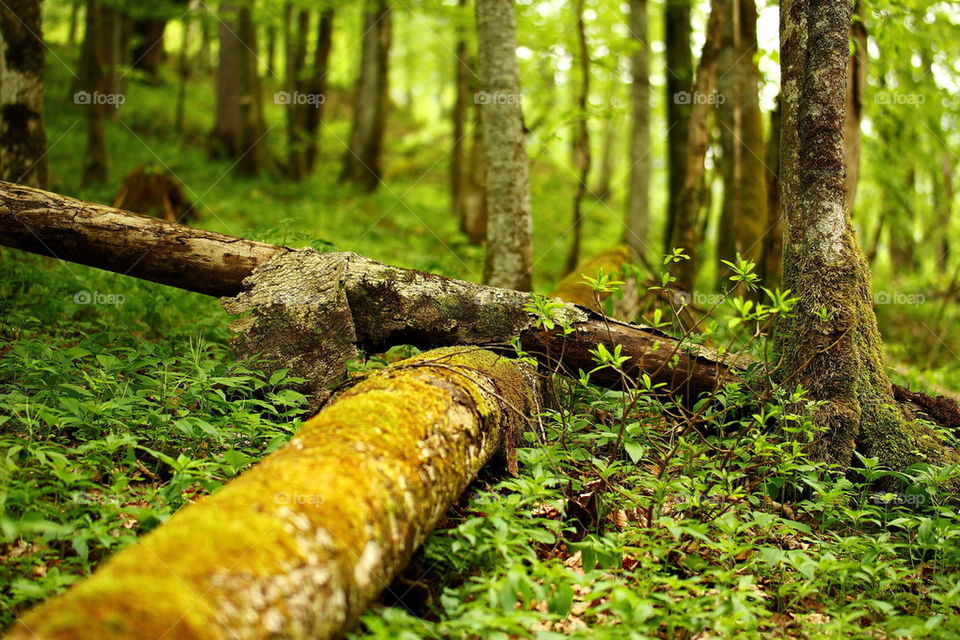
299,545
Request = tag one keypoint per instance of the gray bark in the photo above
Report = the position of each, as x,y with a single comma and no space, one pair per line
363,159
509,260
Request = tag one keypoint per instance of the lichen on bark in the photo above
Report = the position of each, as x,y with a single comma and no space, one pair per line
831,344
300,544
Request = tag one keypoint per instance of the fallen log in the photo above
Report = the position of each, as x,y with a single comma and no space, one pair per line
127,243
299,545
311,312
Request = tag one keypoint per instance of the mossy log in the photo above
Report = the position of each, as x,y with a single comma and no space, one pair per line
311,312
299,545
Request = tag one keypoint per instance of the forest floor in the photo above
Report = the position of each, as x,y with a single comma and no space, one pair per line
120,406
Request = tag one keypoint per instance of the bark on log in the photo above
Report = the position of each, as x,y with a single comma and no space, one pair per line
356,302
298,546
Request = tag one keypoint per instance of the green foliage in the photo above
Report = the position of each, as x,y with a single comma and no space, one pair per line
111,418
631,518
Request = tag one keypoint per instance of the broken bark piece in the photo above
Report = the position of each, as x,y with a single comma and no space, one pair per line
299,545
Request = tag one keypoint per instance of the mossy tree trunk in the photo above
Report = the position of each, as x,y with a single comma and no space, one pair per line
299,545
830,344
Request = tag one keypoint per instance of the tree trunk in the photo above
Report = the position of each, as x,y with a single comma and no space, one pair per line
113,48
389,305
183,75
148,52
608,144
686,233
459,180
240,130
23,140
771,265
509,261
302,543
856,84
297,30
943,205
206,35
75,6
830,344
637,229
743,220
363,160
91,83
475,205
679,61
270,33
317,86
581,138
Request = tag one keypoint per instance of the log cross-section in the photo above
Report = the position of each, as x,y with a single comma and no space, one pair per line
299,545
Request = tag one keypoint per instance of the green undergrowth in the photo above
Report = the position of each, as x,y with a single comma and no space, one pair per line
114,414
635,517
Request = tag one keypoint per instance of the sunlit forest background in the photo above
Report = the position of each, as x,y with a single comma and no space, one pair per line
116,414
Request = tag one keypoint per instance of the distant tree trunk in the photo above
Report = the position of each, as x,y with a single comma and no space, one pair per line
296,30
830,343
362,162
608,144
240,130
509,260
679,60
112,45
203,55
637,229
92,80
901,213
459,181
771,265
183,75
271,50
148,52
23,140
686,230
943,205
475,205
75,6
317,86
743,219
581,141
856,83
